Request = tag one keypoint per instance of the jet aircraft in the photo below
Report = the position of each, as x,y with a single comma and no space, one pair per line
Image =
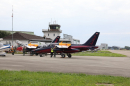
4,48
31,47
65,48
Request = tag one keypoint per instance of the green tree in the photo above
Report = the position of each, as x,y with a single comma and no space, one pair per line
4,34
127,47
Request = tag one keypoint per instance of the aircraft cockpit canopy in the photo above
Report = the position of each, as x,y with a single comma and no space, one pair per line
44,46
52,44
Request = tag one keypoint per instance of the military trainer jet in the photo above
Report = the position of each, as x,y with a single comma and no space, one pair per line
65,48
30,47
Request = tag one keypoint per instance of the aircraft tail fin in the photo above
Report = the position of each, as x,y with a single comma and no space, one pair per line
92,40
56,40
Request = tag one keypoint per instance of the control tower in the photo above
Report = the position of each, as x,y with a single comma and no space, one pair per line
52,32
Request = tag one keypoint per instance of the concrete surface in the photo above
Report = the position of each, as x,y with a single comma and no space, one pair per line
117,66
124,52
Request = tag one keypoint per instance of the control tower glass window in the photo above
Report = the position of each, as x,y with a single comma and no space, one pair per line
53,27
57,27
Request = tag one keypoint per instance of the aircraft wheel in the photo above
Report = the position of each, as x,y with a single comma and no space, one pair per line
36,54
12,53
63,55
69,55
41,55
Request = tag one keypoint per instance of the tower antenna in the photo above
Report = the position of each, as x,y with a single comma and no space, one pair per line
12,25
51,20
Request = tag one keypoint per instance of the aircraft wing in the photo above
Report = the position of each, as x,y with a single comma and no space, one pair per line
31,46
5,48
63,45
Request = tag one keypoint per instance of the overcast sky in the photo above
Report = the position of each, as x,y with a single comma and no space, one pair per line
79,18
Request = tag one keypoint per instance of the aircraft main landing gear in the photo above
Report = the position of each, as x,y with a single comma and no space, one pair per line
69,55
36,54
63,55
42,54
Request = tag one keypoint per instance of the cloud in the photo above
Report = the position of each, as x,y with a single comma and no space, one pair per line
84,17
66,8
125,33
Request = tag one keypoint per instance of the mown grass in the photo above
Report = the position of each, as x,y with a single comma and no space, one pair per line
26,78
99,53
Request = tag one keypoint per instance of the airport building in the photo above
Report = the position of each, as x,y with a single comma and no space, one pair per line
49,34
69,37
22,37
54,30
103,46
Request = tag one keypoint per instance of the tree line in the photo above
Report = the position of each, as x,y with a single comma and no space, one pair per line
4,34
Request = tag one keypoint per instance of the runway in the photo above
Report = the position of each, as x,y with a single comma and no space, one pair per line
95,65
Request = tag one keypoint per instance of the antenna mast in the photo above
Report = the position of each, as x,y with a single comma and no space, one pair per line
12,25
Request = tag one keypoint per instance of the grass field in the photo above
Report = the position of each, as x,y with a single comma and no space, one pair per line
99,53
26,78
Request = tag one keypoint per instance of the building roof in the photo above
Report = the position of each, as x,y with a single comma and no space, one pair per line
22,36
51,30
41,40
54,25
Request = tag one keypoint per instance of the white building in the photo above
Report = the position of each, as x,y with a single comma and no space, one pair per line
54,31
23,37
69,37
103,46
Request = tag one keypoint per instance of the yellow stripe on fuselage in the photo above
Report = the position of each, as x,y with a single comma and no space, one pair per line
64,44
32,44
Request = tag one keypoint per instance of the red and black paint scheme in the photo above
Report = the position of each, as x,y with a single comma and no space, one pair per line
90,44
56,40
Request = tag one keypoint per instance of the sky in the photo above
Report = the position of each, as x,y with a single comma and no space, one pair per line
79,18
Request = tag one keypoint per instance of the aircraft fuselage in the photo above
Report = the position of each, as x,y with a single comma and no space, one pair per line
74,48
